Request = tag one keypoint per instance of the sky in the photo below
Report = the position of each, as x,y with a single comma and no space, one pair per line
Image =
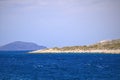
58,23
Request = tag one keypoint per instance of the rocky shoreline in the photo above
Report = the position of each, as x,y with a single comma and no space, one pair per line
77,51
106,46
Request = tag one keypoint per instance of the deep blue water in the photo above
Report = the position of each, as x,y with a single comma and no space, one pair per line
23,66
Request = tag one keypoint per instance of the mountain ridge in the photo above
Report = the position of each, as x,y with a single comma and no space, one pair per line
20,46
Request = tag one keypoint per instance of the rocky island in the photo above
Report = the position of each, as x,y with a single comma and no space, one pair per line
105,46
20,46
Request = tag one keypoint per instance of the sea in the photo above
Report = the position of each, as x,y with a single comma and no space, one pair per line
21,65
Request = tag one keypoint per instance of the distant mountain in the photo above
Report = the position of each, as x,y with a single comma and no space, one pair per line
21,46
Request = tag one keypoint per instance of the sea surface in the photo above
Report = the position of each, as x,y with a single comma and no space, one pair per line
19,65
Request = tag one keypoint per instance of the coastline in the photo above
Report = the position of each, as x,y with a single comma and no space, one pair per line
77,51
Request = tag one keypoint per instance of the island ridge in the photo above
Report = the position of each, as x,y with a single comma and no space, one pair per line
105,46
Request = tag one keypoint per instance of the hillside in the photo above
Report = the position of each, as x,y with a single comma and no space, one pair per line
106,46
21,46
109,45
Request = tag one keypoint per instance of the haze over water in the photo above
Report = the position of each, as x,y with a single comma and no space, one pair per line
59,22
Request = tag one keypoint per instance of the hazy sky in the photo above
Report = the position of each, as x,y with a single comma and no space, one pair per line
59,22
